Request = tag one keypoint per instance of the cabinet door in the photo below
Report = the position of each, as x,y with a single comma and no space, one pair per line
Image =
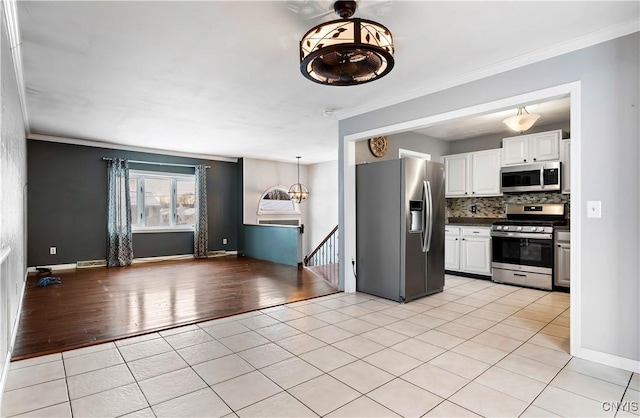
563,265
456,175
544,146
515,150
565,157
476,255
485,173
451,252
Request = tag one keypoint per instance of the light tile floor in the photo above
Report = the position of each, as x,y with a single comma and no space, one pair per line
478,348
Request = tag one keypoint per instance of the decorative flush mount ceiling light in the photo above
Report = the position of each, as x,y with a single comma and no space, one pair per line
298,192
346,52
521,121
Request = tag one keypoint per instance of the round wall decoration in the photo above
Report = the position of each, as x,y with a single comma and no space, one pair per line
378,146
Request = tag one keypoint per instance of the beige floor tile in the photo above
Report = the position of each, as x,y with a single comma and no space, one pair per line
516,303
405,398
499,307
435,380
512,332
86,384
588,386
277,332
568,404
35,361
418,349
489,314
549,341
245,390
407,328
335,303
562,321
291,372
469,300
279,405
445,314
265,355
555,299
225,329
153,366
307,323
358,346
541,307
200,353
30,398
94,361
327,358
362,376
356,326
543,354
179,330
330,334
599,371
630,402
61,410
447,410
384,336
110,403
258,321
556,330
399,312
286,314
141,413
635,382
535,315
440,339
301,343
223,368
512,384
354,310
497,341
33,375
393,361
144,349
474,322
201,403
480,352
458,307
324,394
375,305
332,317
529,368
416,308
102,347
427,320
528,324
362,407
171,385
461,365
311,309
244,341
379,318
461,331
488,402
188,338
535,412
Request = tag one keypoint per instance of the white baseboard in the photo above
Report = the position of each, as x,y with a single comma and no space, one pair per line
610,360
5,372
142,260
54,267
14,333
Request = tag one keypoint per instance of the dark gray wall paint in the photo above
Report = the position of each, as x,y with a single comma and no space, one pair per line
609,153
68,197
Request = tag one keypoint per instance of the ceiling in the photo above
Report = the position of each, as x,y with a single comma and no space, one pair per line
222,77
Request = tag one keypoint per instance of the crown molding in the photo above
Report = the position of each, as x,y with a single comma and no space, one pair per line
107,145
15,43
585,41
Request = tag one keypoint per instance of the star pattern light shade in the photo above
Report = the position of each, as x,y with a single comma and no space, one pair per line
522,121
298,192
346,52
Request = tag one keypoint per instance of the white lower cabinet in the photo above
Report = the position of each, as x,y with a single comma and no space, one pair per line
468,249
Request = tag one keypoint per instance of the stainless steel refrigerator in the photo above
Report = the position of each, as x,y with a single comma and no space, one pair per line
400,209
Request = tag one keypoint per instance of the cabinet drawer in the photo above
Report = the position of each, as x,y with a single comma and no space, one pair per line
476,232
451,230
564,236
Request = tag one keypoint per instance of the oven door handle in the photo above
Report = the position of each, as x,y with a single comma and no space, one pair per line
517,235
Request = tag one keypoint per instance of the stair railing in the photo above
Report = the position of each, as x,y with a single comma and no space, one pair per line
326,252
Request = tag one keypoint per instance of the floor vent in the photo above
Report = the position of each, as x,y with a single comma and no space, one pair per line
91,263
219,253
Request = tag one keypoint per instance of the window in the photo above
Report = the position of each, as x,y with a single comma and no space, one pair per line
276,201
162,201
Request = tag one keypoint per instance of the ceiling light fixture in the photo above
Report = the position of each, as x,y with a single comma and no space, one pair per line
522,121
298,192
346,52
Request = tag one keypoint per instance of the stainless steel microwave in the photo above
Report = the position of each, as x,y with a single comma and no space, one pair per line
542,177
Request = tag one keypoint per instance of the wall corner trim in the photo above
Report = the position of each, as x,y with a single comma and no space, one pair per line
609,360
15,43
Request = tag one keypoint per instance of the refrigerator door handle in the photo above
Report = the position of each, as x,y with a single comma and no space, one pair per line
428,213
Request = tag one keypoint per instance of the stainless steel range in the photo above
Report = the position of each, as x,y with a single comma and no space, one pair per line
523,251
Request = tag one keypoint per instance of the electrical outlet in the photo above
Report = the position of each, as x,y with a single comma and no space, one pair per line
224,240
53,250
474,209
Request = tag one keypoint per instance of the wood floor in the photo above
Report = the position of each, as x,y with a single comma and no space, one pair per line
99,305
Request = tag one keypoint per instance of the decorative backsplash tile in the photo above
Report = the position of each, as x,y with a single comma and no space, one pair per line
494,207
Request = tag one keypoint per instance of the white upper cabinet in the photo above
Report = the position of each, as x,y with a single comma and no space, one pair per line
473,174
527,149
565,158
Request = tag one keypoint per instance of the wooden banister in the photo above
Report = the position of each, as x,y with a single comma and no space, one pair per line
327,238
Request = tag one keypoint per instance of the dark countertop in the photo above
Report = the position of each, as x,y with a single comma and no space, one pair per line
471,221
566,227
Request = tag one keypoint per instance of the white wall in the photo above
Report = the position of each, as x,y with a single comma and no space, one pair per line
258,176
607,137
13,180
322,204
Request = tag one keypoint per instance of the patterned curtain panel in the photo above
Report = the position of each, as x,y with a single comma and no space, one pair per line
119,246
200,238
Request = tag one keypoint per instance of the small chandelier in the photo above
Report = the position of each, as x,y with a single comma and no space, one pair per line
521,121
298,192
346,52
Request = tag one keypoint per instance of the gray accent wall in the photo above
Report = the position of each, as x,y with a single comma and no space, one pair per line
406,140
68,204
609,153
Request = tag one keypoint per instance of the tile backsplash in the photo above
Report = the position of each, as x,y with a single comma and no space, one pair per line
494,207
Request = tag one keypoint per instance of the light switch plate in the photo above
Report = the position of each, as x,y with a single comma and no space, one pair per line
594,209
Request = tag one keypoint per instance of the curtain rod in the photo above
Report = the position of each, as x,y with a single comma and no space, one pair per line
152,163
